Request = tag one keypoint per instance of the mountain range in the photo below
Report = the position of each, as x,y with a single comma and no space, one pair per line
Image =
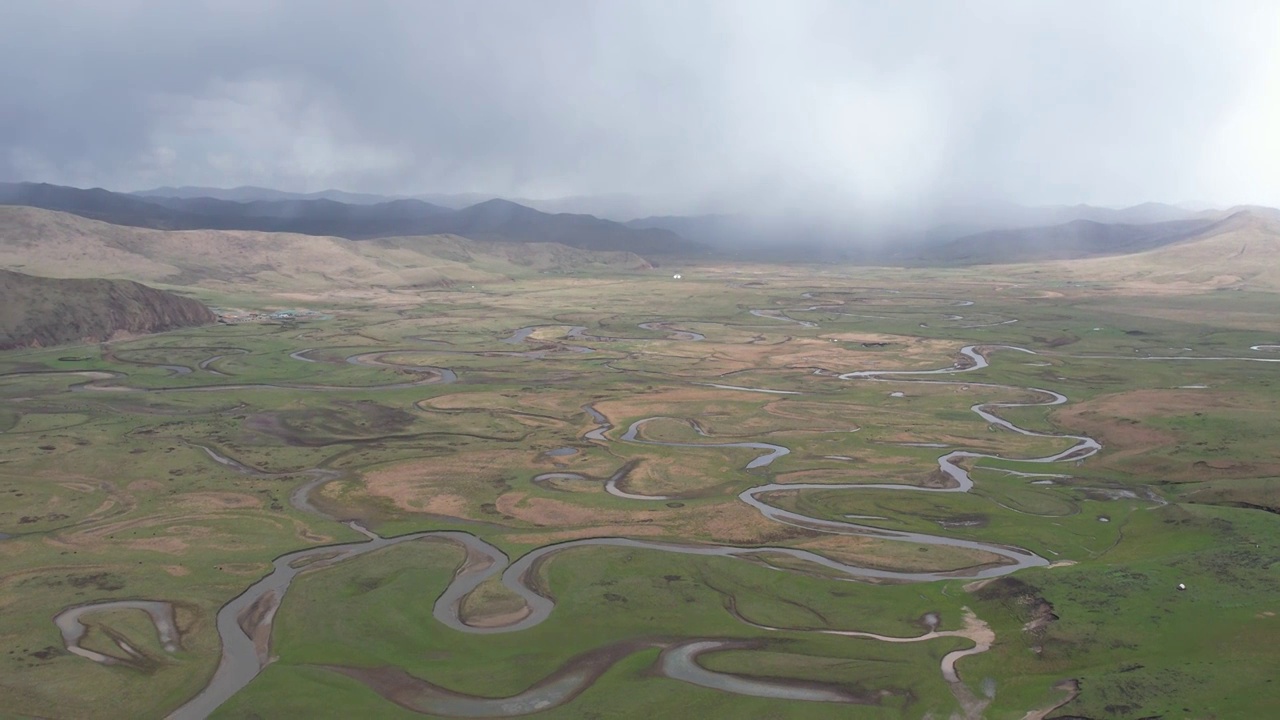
48,257
976,234
56,244
614,206
497,220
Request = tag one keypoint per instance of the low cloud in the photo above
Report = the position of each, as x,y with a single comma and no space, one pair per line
847,109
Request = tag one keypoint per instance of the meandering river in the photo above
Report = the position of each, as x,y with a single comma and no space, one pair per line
244,624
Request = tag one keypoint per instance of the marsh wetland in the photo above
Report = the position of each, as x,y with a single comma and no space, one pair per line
752,492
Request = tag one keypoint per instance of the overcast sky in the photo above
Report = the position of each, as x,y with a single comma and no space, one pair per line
834,104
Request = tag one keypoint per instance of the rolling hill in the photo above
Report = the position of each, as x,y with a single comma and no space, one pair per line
40,311
496,220
57,244
924,237
1240,250
1075,239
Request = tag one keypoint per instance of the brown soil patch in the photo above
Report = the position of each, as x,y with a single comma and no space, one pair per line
144,486
254,622
977,585
176,570
499,620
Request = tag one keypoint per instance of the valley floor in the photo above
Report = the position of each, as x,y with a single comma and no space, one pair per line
751,492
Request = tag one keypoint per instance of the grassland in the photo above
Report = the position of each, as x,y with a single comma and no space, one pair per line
111,494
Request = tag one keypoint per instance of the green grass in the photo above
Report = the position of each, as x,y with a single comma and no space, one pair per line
108,496
345,616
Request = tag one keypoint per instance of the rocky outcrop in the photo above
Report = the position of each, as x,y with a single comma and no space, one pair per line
39,312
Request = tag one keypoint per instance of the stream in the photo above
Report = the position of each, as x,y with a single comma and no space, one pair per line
244,623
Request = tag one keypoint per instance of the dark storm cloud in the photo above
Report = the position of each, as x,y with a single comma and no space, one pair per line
837,106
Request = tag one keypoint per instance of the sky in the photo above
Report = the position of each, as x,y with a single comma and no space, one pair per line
838,107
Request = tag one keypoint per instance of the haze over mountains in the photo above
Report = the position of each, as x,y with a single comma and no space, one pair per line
75,252
956,235
499,220
57,244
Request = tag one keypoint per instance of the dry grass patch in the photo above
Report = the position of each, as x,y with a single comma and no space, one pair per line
672,476
1113,418
1117,422
734,523
545,512
676,402
558,404
213,501
166,545
600,531
729,522
448,484
1236,319
892,555
243,569
838,414
491,604
864,472
590,464
908,352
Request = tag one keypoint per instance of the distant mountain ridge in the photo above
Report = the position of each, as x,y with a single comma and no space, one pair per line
57,244
1240,250
618,207
251,193
957,234
41,311
898,240
497,220
1074,239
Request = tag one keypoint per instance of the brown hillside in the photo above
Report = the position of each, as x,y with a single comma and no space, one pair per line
55,244
1241,250
39,312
